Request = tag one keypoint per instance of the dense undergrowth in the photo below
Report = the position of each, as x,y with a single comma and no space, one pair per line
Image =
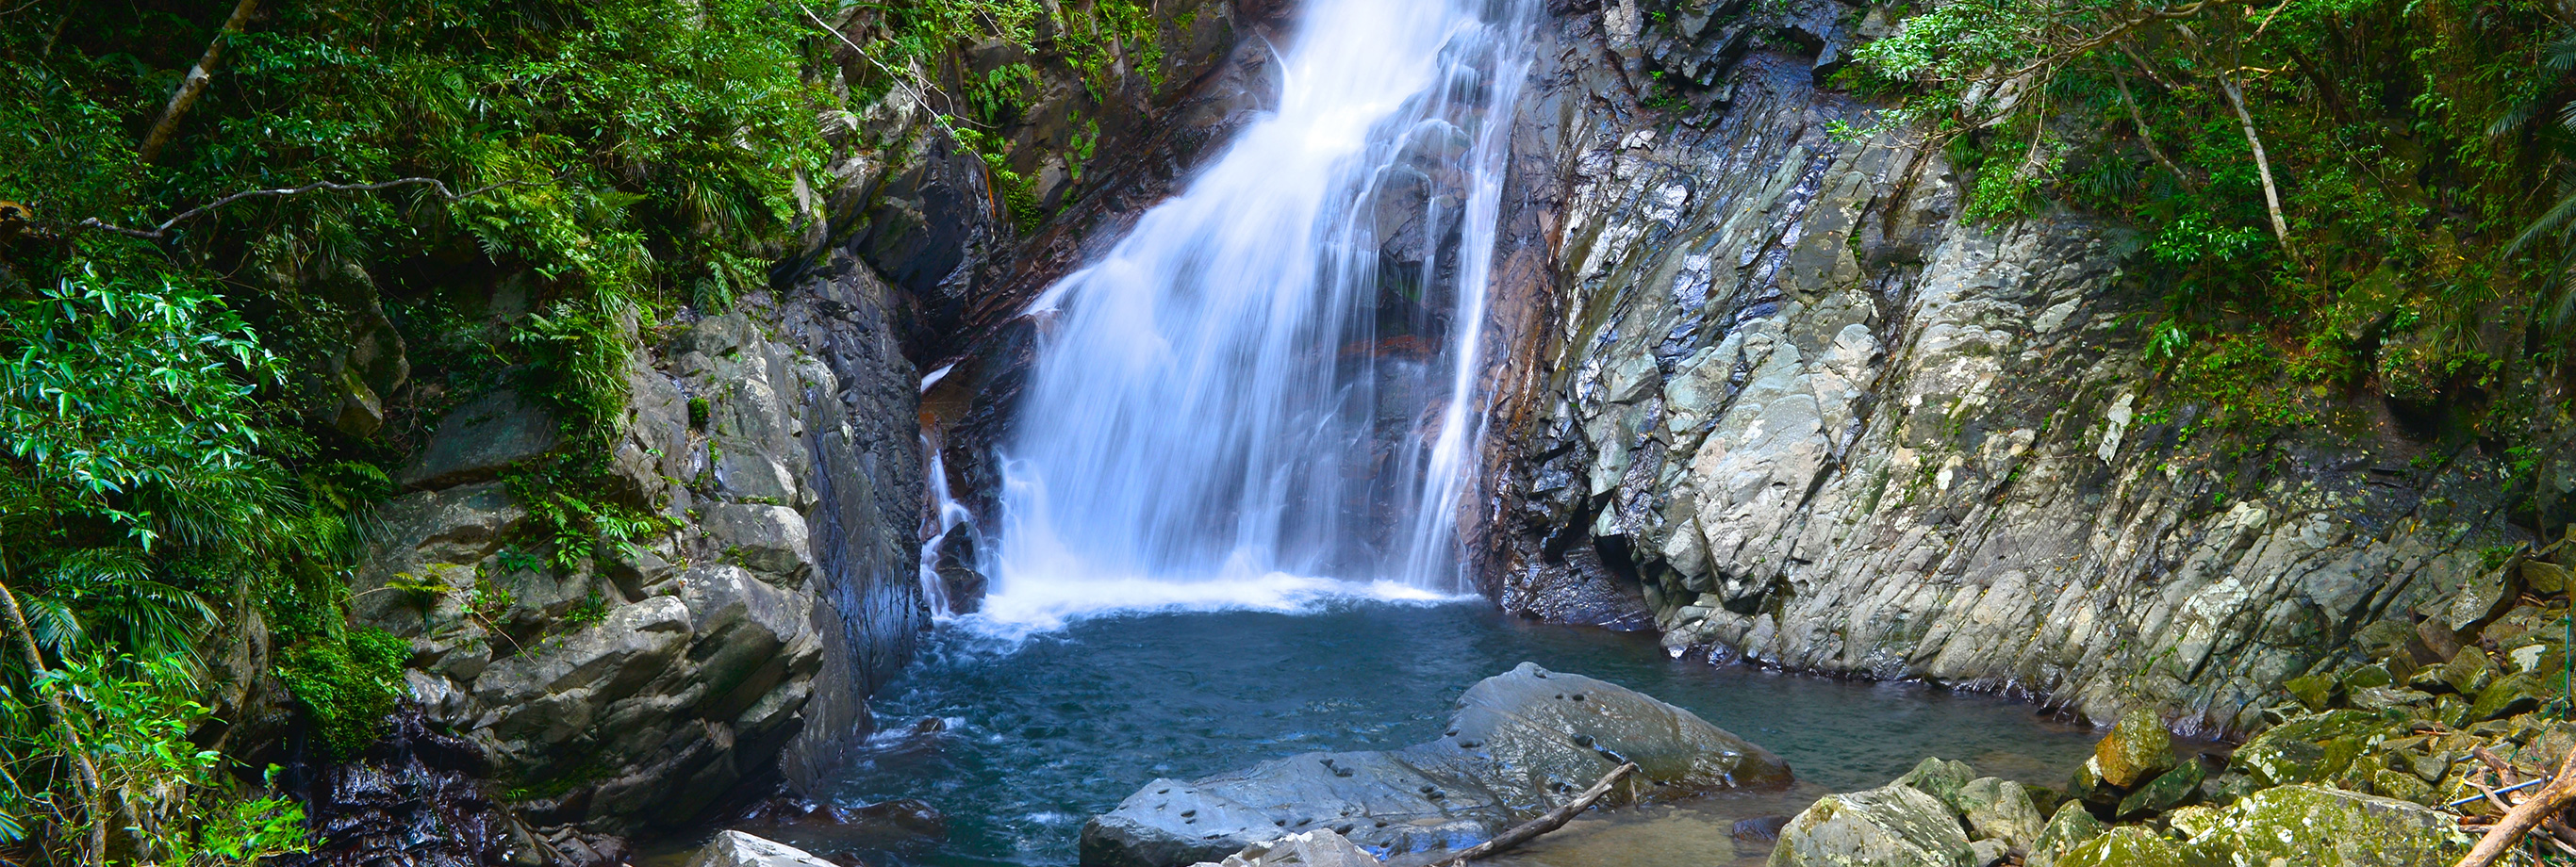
2344,205
232,311
186,476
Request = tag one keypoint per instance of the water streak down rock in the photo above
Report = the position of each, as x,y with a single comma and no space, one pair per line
1521,743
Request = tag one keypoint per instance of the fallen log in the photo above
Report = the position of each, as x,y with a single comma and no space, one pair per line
1551,821
2539,808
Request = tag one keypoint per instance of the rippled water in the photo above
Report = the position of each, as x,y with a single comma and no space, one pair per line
1045,732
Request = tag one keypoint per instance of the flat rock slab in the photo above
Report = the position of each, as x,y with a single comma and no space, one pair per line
1520,744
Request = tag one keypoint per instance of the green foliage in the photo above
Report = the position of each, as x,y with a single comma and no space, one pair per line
2394,133
568,516
169,799
162,460
347,687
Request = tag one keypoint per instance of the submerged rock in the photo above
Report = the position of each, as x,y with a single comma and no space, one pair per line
1521,743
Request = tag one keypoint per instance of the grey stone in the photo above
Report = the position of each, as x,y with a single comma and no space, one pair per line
476,440
1999,809
771,540
1311,849
737,849
1890,826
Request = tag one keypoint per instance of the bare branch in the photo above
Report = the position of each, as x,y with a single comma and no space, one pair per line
1553,820
2508,831
2262,164
2146,136
163,230
195,84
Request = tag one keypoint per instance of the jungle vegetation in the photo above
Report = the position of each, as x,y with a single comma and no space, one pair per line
204,205
2343,205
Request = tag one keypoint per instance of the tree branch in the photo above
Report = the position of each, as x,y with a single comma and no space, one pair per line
1551,821
163,230
2146,136
2508,831
2262,164
195,84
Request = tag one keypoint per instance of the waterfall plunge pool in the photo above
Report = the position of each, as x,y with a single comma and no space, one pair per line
1042,732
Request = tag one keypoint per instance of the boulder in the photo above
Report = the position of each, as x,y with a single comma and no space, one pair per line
1941,779
1999,809
2168,790
2129,847
771,540
1310,849
2136,750
475,441
2293,751
2070,827
1894,825
737,849
2325,827
1520,744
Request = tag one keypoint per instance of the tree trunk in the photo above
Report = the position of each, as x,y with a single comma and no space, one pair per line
91,797
2262,164
195,84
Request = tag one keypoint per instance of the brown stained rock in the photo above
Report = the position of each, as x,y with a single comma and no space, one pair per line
2136,750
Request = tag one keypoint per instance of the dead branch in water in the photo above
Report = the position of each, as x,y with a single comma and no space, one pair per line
1553,819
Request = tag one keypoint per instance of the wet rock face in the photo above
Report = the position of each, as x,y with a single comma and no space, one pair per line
646,687
1521,743
416,799
1775,393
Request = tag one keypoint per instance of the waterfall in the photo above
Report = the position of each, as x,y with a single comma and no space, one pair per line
1262,393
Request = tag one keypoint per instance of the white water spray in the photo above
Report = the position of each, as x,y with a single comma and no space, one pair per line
1262,395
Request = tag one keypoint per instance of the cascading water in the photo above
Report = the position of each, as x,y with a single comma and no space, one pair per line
1267,381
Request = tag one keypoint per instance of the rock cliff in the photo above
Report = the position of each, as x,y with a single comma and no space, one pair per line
1768,391
771,457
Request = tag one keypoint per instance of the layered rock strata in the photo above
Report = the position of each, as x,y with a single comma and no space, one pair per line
1780,399
650,683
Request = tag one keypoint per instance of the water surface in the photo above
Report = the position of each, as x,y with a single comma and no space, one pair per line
1045,732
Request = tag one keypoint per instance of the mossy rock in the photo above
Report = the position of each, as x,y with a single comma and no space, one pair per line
2171,789
2366,677
2317,691
2225,788
2510,695
2069,827
2314,826
2131,847
1999,809
2136,750
2293,752
2402,785
1894,825
1940,778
